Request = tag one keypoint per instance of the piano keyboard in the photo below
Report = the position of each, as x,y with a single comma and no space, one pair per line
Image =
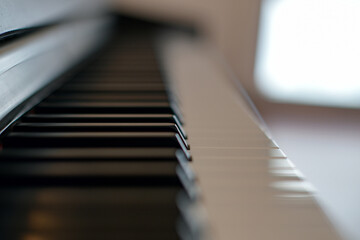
106,156
103,157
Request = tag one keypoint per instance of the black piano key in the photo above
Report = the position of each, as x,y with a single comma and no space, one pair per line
113,91
46,175
104,118
99,97
93,139
166,164
89,174
96,127
90,169
135,66
91,235
150,224
87,181
130,64
81,212
125,220
82,197
113,87
105,107
92,154
124,72
123,78
97,174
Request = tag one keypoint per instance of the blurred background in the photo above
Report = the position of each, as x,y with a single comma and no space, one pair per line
298,60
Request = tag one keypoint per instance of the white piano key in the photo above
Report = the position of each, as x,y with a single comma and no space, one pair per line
250,189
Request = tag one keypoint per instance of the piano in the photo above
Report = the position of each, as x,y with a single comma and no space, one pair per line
118,128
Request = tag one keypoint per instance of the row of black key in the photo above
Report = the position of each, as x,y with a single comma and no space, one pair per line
104,157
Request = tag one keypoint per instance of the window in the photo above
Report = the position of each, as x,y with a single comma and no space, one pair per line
309,52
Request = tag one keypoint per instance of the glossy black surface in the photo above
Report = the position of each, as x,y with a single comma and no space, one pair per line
104,157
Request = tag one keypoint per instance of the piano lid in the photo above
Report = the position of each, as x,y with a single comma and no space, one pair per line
17,15
30,63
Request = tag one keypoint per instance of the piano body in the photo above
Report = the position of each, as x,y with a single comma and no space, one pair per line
98,114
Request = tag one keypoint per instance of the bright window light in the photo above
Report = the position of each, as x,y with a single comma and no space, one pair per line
309,52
